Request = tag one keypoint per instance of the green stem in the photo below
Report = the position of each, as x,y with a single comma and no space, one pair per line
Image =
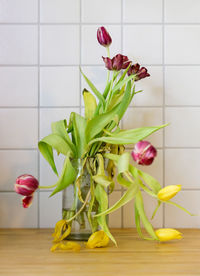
108,73
47,187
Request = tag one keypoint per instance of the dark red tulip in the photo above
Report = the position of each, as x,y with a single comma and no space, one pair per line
140,73
103,37
144,153
117,63
27,201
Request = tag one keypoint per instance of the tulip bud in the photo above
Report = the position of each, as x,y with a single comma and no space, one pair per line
168,234
26,185
144,153
27,201
98,239
103,37
168,192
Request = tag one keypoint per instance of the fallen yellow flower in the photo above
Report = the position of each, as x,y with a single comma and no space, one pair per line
74,246
62,230
168,192
97,239
168,234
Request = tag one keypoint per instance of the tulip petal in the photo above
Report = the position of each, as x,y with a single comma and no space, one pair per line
97,239
74,246
27,201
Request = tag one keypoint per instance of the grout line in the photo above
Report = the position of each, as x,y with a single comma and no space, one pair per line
163,61
38,222
98,65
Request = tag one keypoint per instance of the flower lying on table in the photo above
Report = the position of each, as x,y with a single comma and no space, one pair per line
94,146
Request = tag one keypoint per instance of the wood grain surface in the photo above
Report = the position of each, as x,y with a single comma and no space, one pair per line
25,252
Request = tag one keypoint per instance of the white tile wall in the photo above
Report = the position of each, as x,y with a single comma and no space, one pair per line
42,44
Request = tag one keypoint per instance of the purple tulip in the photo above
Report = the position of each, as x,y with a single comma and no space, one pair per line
26,185
117,63
27,201
103,37
140,73
144,153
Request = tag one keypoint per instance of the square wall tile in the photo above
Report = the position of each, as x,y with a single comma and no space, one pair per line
49,115
176,218
19,128
145,117
18,44
14,163
115,217
59,86
50,209
149,207
19,86
92,51
156,169
182,167
13,215
143,44
95,11
142,11
98,76
188,13
183,130
152,87
181,84
59,11
20,11
47,176
59,44
182,44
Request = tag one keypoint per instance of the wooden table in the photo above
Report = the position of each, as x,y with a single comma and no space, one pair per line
25,252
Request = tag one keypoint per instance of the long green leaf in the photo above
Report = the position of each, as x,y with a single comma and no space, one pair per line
128,137
123,162
67,177
103,180
102,199
150,181
79,127
47,152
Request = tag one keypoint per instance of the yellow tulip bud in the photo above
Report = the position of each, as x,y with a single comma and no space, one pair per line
98,239
168,234
168,192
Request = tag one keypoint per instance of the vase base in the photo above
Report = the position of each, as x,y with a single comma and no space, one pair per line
79,236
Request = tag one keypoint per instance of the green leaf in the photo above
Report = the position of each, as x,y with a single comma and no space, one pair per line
180,207
90,104
122,82
150,181
123,162
59,128
102,198
66,178
128,136
140,208
97,124
94,89
79,127
50,142
103,180
128,195
122,181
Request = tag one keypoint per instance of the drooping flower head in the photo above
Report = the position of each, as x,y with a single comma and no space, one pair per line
117,63
103,37
140,73
144,153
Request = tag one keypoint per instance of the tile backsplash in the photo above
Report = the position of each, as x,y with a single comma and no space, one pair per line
42,44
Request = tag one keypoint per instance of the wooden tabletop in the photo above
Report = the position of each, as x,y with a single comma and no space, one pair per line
25,252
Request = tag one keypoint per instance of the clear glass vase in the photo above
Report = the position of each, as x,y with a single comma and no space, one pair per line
80,226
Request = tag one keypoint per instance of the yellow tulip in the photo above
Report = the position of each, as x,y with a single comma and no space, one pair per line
168,234
168,192
98,239
62,230
66,246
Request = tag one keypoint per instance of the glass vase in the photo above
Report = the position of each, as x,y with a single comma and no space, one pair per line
80,226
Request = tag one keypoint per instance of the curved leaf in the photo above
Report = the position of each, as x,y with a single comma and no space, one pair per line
90,104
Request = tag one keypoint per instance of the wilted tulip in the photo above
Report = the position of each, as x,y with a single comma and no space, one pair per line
103,37
26,184
140,73
117,63
168,234
27,201
98,239
144,153
168,192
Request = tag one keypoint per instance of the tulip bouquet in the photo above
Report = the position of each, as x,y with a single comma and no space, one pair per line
94,145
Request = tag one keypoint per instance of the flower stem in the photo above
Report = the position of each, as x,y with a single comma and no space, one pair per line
47,187
108,73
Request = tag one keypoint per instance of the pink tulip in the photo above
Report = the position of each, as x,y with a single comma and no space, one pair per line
103,37
144,153
26,185
27,201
